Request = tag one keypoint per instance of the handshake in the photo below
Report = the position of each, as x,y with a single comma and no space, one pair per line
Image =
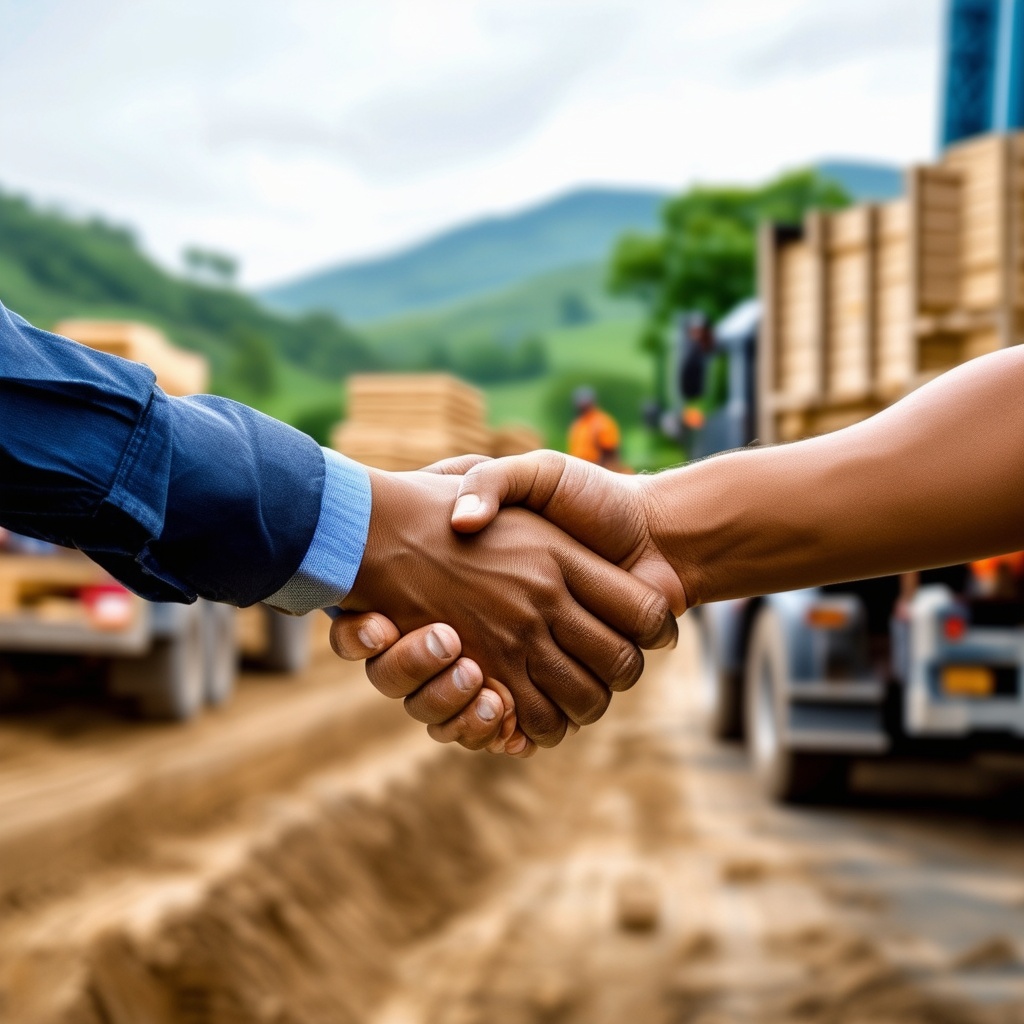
549,603
510,629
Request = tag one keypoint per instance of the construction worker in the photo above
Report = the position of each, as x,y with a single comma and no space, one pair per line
594,436
1000,577
703,374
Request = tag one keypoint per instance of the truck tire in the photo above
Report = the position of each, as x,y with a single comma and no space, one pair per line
786,776
12,689
220,652
288,646
169,682
721,691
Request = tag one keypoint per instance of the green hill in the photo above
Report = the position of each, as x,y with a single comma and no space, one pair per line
483,256
569,297
53,267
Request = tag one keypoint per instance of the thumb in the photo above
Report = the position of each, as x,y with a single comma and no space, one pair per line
528,480
356,636
455,466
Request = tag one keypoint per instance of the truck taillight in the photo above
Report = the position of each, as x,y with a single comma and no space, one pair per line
823,617
109,607
954,627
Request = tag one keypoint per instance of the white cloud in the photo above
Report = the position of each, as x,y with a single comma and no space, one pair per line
299,134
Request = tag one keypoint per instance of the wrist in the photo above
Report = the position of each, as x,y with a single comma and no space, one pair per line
409,516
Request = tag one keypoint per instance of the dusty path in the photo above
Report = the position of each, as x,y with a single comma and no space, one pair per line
307,856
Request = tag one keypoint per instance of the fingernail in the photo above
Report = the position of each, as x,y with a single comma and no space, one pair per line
516,745
485,707
436,645
467,505
371,636
463,680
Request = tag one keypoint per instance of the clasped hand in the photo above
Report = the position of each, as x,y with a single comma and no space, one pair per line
513,635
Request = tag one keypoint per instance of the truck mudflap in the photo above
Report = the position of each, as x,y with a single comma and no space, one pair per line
962,679
828,700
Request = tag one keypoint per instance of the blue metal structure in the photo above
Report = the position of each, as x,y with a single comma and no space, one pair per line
983,90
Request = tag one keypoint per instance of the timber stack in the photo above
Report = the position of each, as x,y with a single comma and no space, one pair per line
864,305
177,372
407,421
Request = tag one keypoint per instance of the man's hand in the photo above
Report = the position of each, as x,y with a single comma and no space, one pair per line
605,511
609,513
446,692
530,605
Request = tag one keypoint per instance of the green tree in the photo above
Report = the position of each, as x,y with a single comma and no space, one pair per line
206,264
254,365
704,256
573,310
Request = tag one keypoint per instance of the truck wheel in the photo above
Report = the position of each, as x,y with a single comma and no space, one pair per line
787,776
168,683
12,688
288,647
720,690
220,651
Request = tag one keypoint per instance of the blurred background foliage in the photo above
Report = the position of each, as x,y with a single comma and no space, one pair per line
582,290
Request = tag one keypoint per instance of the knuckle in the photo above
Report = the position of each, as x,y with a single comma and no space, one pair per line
386,677
654,611
595,708
545,726
627,667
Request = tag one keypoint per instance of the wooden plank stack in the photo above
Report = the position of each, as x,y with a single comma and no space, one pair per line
407,421
177,372
864,305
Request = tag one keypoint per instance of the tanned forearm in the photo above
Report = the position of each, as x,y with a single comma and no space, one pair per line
936,479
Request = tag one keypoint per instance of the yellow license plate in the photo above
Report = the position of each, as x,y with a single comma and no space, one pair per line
960,681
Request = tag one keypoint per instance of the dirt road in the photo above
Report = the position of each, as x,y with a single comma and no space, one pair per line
308,856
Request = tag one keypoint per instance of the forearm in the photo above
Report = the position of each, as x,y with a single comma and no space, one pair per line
176,497
934,480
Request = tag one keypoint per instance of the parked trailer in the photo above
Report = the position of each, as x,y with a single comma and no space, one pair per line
169,660
857,309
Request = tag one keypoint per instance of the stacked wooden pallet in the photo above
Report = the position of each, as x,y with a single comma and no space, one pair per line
406,421
864,305
177,372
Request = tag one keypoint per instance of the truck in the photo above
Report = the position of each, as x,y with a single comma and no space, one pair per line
856,309
166,660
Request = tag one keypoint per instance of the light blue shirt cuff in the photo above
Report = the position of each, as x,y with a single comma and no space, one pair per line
332,560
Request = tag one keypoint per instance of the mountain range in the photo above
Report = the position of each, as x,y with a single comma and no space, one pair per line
494,253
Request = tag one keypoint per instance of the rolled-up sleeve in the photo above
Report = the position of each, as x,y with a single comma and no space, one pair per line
176,497
331,563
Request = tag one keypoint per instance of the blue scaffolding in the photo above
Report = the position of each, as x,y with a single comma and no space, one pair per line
983,89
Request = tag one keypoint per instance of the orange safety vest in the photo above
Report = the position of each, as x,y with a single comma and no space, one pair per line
987,568
592,434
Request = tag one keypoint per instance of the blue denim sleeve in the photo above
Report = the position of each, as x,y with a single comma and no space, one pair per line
176,497
332,561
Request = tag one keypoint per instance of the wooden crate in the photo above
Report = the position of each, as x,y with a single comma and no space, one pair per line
893,306
406,421
177,372
863,305
849,252
432,397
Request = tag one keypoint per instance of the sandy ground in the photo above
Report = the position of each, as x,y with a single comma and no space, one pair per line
306,855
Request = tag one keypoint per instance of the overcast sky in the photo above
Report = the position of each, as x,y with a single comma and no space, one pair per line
303,133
